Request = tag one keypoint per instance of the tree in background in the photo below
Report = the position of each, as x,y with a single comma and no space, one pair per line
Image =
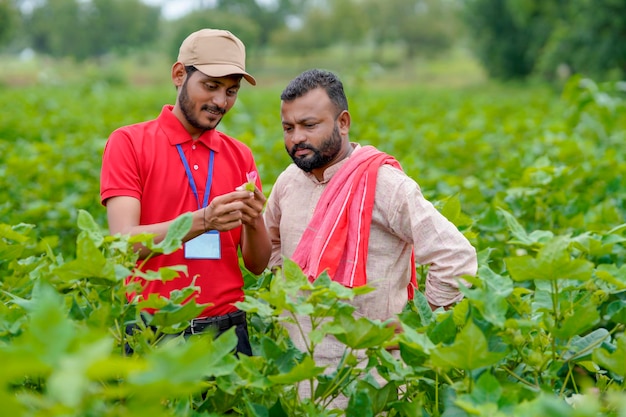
269,17
322,25
518,38
9,17
499,40
425,27
590,38
121,25
513,39
56,27
85,29
420,27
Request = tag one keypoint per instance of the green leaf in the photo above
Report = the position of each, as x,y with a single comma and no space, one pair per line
553,262
423,308
301,372
487,391
50,331
165,273
613,275
469,351
256,305
445,330
595,245
87,224
251,373
70,382
9,233
339,291
362,333
452,211
89,263
616,311
11,251
582,347
283,359
175,233
520,235
415,347
613,361
172,314
179,367
578,320
491,296
292,276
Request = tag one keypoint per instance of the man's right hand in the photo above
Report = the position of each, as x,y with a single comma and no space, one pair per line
228,211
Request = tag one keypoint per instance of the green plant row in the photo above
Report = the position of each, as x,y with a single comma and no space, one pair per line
535,180
552,160
546,338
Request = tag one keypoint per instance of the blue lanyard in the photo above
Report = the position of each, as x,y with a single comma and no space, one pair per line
192,183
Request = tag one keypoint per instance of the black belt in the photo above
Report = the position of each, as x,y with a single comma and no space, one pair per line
219,323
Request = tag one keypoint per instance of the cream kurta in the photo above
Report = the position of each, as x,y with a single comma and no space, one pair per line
402,220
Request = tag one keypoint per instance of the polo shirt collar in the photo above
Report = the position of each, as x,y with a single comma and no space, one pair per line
177,134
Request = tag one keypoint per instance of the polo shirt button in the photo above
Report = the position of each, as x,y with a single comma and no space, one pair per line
195,167
193,146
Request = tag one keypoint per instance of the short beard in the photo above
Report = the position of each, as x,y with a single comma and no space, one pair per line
329,149
186,107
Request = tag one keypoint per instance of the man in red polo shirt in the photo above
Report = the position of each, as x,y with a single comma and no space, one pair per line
154,171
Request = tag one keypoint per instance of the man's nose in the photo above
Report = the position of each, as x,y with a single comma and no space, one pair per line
220,99
298,135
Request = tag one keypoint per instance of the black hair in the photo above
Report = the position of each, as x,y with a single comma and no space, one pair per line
316,78
190,69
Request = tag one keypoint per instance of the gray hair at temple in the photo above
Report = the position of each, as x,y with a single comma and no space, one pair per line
316,78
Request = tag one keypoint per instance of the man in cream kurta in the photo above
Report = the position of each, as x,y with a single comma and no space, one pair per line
316,124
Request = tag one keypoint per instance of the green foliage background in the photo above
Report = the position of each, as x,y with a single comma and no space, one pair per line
534,177
533,174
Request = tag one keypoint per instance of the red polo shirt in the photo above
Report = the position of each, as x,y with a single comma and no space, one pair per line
142,161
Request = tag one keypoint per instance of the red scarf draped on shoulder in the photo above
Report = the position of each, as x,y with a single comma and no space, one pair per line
337,236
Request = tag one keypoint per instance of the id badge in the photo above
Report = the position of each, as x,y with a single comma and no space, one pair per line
205,246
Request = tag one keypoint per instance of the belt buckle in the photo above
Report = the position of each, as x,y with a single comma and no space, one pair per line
192,326
219,322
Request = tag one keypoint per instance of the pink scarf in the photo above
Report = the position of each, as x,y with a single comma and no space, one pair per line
337,236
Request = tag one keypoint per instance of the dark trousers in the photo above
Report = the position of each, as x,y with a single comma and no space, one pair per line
241,330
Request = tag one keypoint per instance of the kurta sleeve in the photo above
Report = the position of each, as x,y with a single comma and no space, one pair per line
436,241
272,216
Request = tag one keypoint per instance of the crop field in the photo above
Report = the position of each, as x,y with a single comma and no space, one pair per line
553,160
535,177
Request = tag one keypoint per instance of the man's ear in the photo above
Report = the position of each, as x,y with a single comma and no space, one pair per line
178,74
343,121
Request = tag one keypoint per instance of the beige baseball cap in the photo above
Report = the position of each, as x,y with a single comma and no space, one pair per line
216,53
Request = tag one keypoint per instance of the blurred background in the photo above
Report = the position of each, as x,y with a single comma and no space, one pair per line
497,103
432,42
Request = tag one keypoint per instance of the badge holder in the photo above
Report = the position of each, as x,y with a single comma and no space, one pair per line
205,246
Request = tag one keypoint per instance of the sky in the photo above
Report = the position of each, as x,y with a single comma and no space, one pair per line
173,9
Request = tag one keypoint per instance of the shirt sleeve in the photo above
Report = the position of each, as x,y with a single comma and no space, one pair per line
271,216
436,241
120,174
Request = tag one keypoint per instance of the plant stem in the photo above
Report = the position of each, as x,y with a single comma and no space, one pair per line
555,309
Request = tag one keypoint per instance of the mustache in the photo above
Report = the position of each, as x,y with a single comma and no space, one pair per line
217,109
299,146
